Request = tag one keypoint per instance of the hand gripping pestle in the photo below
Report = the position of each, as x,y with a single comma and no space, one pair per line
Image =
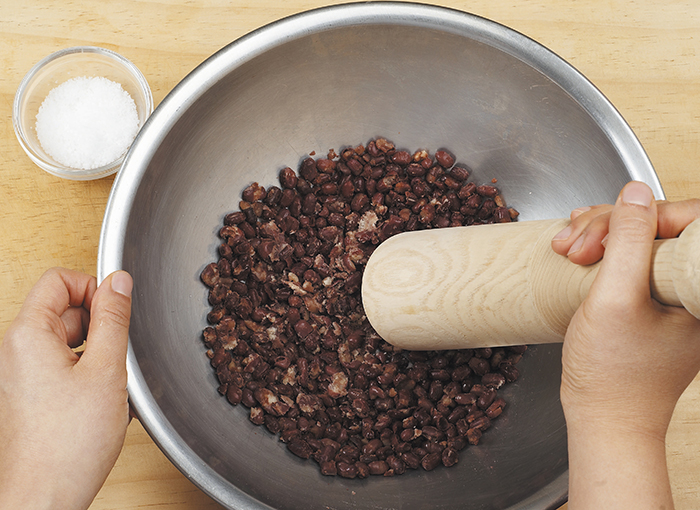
501,284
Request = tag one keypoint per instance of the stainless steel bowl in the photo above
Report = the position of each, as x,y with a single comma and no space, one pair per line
421,76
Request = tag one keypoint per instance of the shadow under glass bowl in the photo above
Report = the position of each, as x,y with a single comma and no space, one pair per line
423,77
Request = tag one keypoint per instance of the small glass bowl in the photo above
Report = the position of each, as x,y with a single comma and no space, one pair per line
89,61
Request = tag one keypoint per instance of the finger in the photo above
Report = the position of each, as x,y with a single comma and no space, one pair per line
589,247
675,216
56,290
581,218
53,294
75,320
110,314
579,211
624,272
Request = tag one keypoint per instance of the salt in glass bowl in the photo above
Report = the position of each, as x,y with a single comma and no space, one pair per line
57,68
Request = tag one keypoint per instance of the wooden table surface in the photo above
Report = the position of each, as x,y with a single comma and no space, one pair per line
643,54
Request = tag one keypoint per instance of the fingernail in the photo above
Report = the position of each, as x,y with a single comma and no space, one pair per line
564,234
604,241
578,244
637,193
122,283
579,211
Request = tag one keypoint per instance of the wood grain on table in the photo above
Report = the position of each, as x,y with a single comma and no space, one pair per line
644,55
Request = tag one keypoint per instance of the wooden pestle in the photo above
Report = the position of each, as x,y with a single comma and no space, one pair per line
496,285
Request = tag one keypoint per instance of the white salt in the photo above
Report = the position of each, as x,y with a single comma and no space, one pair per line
85,123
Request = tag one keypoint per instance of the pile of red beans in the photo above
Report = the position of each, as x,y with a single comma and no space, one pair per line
288,336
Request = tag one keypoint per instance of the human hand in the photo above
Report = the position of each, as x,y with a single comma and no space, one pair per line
583,241
63,417
626,358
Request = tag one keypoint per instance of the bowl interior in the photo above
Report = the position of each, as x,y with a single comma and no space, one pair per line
424,78
59,68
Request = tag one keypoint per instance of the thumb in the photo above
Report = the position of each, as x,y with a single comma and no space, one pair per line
624,271
110,314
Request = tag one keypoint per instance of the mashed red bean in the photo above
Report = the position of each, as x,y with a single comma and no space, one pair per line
289,338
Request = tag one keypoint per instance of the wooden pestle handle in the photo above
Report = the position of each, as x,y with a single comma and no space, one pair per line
502,284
